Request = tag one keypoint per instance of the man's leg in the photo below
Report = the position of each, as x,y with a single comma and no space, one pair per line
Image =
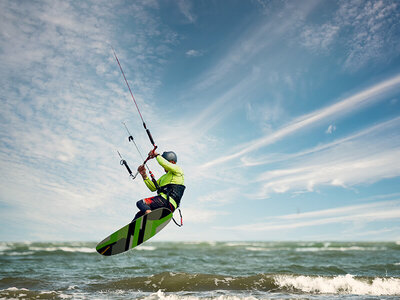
148,204
145,204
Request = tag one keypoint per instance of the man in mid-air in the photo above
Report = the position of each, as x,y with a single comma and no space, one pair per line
170,185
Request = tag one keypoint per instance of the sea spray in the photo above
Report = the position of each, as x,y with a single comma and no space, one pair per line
347,284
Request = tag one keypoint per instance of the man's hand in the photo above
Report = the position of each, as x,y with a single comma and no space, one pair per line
153,154
142,170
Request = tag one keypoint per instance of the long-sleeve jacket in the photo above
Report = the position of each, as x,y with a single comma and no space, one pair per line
174,175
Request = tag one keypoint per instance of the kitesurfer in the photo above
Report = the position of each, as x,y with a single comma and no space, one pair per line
170,185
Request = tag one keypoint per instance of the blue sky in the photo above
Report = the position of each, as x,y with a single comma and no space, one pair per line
285,116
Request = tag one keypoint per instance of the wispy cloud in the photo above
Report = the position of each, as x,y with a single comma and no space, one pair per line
352,171
346,163
219,197
344,210
387,126
319,38
62,97
199,215
194,53
220,107
185,6
253,41
366,29
365,213
330,129
343,107
63,100
373,25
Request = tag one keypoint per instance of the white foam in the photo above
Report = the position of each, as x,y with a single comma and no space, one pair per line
192,243
241,244
14,289
232,244
160,295
78,249
65,249
146,248
252,244
226,280
4,247
341,249
14,253
342,284
257,249
308,244
60,295
22,293
211,243
72,287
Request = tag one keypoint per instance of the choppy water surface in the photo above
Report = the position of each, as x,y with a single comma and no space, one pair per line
222,270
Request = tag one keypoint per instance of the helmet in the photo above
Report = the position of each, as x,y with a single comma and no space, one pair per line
170,155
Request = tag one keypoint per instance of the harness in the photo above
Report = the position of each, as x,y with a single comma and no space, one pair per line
173,192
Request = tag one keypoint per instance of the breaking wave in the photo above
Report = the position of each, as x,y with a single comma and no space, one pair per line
342,284
15,293
28,248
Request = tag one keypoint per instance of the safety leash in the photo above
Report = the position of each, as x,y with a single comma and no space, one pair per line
181,219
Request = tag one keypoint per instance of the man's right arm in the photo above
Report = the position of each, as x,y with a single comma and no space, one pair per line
149,183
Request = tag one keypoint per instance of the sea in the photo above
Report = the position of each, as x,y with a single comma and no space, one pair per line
202,270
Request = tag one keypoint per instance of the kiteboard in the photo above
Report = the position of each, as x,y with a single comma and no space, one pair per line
135,233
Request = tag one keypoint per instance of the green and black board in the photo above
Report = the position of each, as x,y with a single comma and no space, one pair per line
135,233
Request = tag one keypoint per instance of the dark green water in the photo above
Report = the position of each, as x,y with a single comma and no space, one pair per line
222,270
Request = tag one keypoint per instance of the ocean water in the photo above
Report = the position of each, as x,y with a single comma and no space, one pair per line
220,270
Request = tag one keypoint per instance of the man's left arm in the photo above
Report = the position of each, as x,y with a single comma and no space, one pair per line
168,166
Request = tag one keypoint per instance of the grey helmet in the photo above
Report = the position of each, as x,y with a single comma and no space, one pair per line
170,155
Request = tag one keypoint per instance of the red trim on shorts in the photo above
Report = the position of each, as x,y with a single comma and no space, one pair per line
148,201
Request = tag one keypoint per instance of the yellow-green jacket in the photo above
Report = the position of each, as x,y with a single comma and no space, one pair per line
174,176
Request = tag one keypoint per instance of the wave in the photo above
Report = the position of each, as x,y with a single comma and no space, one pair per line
146,248
15,253
15,293
22,293
342,284
195,284
341,249
312,246
161,295
258,249
28,248
63,249
193,243
317,249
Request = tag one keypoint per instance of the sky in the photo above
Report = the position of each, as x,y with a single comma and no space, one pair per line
285,117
